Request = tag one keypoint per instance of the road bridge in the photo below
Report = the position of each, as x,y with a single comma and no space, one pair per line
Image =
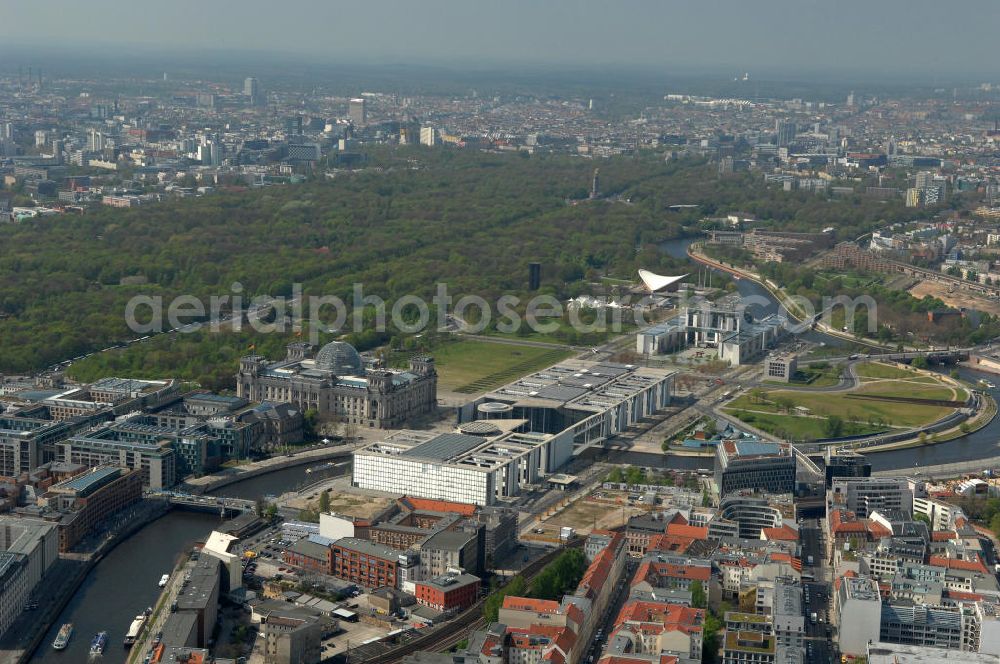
935,355
225,506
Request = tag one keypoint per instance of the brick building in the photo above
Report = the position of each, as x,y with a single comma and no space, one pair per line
310,555
365,563
449,592
89,498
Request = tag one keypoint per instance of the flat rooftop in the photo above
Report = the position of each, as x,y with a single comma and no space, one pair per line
746,449
444,447
580,385
458,449
368,548
127,386
861,588
897,653
86,483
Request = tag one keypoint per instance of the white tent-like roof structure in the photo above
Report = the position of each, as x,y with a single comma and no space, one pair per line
656,282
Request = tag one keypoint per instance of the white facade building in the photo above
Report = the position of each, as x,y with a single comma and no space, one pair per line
428,136
462,467
860,611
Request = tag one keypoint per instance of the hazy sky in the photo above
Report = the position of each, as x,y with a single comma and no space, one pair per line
762,36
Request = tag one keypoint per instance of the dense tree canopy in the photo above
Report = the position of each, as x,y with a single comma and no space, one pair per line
470,219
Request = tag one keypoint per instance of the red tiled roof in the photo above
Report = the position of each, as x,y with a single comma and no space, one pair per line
558,642
653,571
942,535
670,543
660,616
976,565
678,518
575,614
782,557
784,533
430,505
489,643
684,530
843,522
597,573
530,604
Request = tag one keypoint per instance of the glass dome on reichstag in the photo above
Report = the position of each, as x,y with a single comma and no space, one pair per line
340,358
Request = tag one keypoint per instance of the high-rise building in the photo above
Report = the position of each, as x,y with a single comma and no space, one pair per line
57,150
534,276
95,141
850,100
428,136
293,125
358,112
41,138
251,90
210,153
785,132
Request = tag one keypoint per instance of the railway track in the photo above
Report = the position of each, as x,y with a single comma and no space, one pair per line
454,631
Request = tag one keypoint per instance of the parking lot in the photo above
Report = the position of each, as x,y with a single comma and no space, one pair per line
351,636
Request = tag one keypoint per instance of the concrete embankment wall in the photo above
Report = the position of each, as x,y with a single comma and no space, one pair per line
233,477
70,589
980,363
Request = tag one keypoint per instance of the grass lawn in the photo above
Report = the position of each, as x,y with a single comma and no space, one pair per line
827,404
907,388
814,377
880,370
866,415
477,366
565,334
798,428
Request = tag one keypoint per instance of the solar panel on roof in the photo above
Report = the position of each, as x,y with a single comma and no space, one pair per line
561,392
445,446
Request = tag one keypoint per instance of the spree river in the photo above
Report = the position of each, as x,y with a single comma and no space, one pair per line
982,444
125,582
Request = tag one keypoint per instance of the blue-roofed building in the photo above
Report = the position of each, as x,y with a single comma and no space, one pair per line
754,464
82,502
85,484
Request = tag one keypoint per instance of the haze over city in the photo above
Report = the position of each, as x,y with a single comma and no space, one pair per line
499,333
877,40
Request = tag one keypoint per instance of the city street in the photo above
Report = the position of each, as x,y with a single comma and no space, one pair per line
816,599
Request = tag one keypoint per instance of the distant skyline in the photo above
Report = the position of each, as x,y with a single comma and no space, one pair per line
768,38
